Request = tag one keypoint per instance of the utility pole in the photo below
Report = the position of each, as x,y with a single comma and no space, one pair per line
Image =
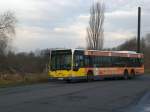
139,30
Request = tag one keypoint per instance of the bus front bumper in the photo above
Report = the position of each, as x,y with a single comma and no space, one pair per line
67,78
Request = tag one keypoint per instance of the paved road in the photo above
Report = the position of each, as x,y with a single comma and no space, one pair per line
97,96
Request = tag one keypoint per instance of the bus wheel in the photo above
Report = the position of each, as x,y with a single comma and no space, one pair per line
69,81
132,74
126,75
90,76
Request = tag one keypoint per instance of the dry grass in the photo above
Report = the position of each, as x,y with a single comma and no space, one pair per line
147,71
17,79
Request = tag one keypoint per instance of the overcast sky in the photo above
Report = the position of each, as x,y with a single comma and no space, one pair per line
62,23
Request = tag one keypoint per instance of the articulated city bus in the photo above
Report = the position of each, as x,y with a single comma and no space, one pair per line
68,64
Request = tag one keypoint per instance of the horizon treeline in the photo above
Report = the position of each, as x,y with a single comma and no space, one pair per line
37,61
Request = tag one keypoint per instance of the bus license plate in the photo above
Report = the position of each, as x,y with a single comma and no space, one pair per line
60,78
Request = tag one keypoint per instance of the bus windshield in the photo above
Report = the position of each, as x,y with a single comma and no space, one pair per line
60,60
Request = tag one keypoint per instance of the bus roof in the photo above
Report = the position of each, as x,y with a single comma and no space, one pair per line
114,53
106,53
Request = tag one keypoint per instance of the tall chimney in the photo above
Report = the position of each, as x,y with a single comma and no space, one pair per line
139,30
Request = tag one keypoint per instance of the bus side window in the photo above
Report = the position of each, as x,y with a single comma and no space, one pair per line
96,61
87,61
91,61
105,61
139,62
113,61
102,61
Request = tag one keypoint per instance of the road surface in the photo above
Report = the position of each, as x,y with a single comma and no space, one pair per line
97,96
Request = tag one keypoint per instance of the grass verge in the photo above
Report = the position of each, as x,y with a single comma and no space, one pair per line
147,71
9,80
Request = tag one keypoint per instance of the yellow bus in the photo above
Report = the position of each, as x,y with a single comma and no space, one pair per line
74,64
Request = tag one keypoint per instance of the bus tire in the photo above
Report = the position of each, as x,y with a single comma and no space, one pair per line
68,81
126,75
90,76
132,73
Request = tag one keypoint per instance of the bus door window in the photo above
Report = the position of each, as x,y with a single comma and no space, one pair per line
61,59
78,61
53,63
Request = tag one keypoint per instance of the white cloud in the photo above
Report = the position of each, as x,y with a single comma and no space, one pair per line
113,39
119,35
52,23
31,38
120,14
28,38
84,17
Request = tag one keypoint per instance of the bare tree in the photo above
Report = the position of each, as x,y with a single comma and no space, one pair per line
3,43
95,36
7,29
